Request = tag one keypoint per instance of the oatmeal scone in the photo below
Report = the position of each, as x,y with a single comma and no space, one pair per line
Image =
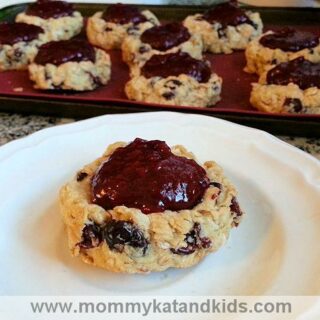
275,47
144,207
108,29
225,27
70,65
19,43
175,79
163,39
59,19
290,87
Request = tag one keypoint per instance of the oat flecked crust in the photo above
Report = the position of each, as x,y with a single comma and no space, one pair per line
63,28
225,40
109,35
179,90
274,98
260,58
164,231
78,76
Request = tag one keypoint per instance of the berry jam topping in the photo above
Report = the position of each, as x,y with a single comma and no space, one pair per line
59,52
47,9
227,14
174,64
148,176
91,236
301,72
194,242
11,33
165,37
120,233
123,14
290,40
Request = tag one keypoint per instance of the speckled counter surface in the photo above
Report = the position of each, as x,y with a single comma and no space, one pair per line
14,126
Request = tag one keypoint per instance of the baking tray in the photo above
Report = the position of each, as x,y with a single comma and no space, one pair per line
234,105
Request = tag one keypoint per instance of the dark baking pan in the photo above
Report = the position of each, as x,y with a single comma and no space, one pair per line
18,95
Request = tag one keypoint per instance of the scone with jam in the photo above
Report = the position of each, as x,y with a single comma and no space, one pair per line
275,47
70,65
175,79
108,29
290,87
59,19
19,43
144,206
225,27
163,39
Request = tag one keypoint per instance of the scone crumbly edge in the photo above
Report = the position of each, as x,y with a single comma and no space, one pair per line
225,40
164,231
181,90
109,35
260,59
63,28
78,76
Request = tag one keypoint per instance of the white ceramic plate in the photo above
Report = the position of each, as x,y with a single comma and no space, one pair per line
275,251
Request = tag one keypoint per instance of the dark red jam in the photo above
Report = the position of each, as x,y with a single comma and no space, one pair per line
174,64
122,14
165,37
290,40
303,73
47,9
59,52
227,14
148,176
11,33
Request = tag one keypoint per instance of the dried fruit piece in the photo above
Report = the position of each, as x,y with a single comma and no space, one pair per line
91,236
120,233
81,176
194,241
236,210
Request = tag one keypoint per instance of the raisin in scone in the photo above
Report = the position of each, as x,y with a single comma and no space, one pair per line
225,27
175,79
275,47
108,29
290,87
19,43
70,65
167,38
144,207
59,19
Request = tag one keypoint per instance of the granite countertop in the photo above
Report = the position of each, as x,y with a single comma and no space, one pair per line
15,126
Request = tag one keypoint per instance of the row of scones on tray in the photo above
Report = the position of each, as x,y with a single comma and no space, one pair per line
166,60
